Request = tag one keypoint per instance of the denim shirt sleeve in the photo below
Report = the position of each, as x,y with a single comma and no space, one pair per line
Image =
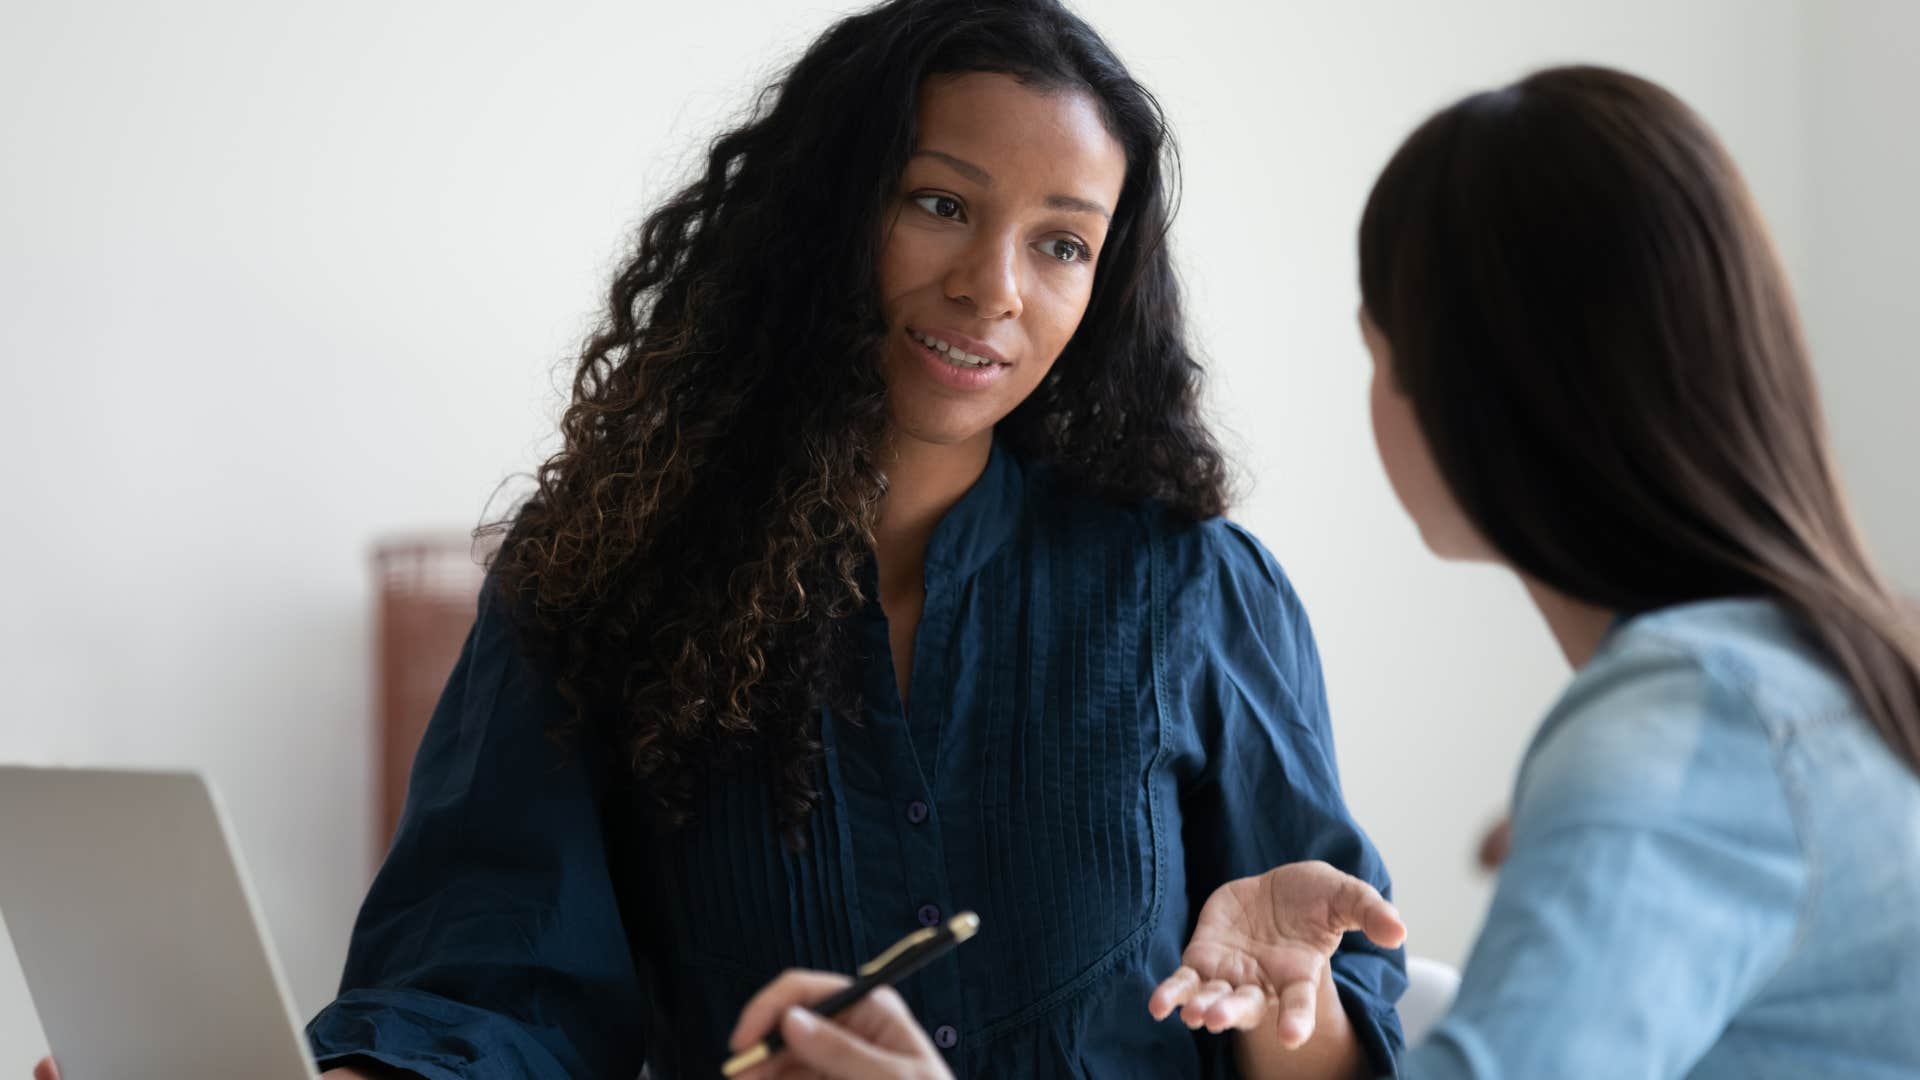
1268,791
491,944
1655,882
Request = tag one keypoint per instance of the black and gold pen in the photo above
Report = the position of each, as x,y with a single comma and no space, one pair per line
908,955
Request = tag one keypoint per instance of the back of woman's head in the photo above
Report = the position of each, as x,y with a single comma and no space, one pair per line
1596,337
690,550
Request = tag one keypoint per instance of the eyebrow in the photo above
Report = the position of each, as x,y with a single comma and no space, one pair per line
1077,206
985,179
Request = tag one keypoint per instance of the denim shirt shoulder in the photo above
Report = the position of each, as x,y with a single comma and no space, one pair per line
1715,871
1687,714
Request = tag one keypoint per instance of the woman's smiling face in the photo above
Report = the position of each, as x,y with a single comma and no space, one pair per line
987,255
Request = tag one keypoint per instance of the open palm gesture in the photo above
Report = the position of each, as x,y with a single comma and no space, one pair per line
1264,941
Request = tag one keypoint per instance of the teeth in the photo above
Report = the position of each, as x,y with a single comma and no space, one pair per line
953,355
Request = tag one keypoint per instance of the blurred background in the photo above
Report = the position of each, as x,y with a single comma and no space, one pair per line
288,291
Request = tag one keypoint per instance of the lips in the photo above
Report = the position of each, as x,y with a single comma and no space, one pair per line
958,349
957,362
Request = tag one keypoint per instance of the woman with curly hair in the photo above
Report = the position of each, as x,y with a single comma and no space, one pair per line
880,576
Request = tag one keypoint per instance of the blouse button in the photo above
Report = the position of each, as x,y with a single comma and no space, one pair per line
929,915
916,811
945,1037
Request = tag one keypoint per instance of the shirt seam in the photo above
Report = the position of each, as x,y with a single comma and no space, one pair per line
1741,680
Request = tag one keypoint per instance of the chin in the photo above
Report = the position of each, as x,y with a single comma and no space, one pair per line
939,429
940,434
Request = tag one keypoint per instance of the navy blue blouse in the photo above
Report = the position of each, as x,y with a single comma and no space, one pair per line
1113,712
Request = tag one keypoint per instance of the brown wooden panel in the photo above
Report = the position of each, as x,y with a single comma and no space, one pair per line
424,605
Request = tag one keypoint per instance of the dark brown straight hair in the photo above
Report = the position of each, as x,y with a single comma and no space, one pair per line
1599,344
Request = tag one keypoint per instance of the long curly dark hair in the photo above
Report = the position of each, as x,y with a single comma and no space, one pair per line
687,561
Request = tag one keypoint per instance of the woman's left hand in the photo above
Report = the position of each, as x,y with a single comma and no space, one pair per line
1265,940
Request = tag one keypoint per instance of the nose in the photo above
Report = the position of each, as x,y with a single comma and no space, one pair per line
987,277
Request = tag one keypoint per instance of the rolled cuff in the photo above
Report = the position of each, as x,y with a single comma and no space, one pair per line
430,1036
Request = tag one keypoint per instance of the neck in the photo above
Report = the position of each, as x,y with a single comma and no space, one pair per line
1577,626
924,480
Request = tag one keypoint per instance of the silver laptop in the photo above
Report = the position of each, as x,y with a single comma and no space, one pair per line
139,937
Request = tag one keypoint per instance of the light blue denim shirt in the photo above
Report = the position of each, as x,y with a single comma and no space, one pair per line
1715,873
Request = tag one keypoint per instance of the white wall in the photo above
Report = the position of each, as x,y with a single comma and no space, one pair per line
1862,293
278,279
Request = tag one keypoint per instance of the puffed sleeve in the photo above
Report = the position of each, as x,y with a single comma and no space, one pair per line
1265,788
491,944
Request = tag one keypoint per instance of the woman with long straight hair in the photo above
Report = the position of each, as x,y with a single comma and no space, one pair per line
1588,369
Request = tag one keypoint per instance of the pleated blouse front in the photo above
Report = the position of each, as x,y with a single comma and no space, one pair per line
1112,713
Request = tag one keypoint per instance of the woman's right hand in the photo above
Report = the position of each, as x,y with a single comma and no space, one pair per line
876,1039
1495,845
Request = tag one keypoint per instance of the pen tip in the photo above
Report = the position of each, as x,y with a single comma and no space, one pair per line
964,925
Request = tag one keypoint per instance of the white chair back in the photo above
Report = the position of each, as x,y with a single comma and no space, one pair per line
1431,985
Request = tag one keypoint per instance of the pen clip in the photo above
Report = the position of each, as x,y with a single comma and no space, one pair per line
961,927
911,941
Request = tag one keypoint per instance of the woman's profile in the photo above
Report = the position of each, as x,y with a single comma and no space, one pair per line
1588,369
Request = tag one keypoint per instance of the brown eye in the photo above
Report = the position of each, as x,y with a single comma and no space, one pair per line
1068,251
940,206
